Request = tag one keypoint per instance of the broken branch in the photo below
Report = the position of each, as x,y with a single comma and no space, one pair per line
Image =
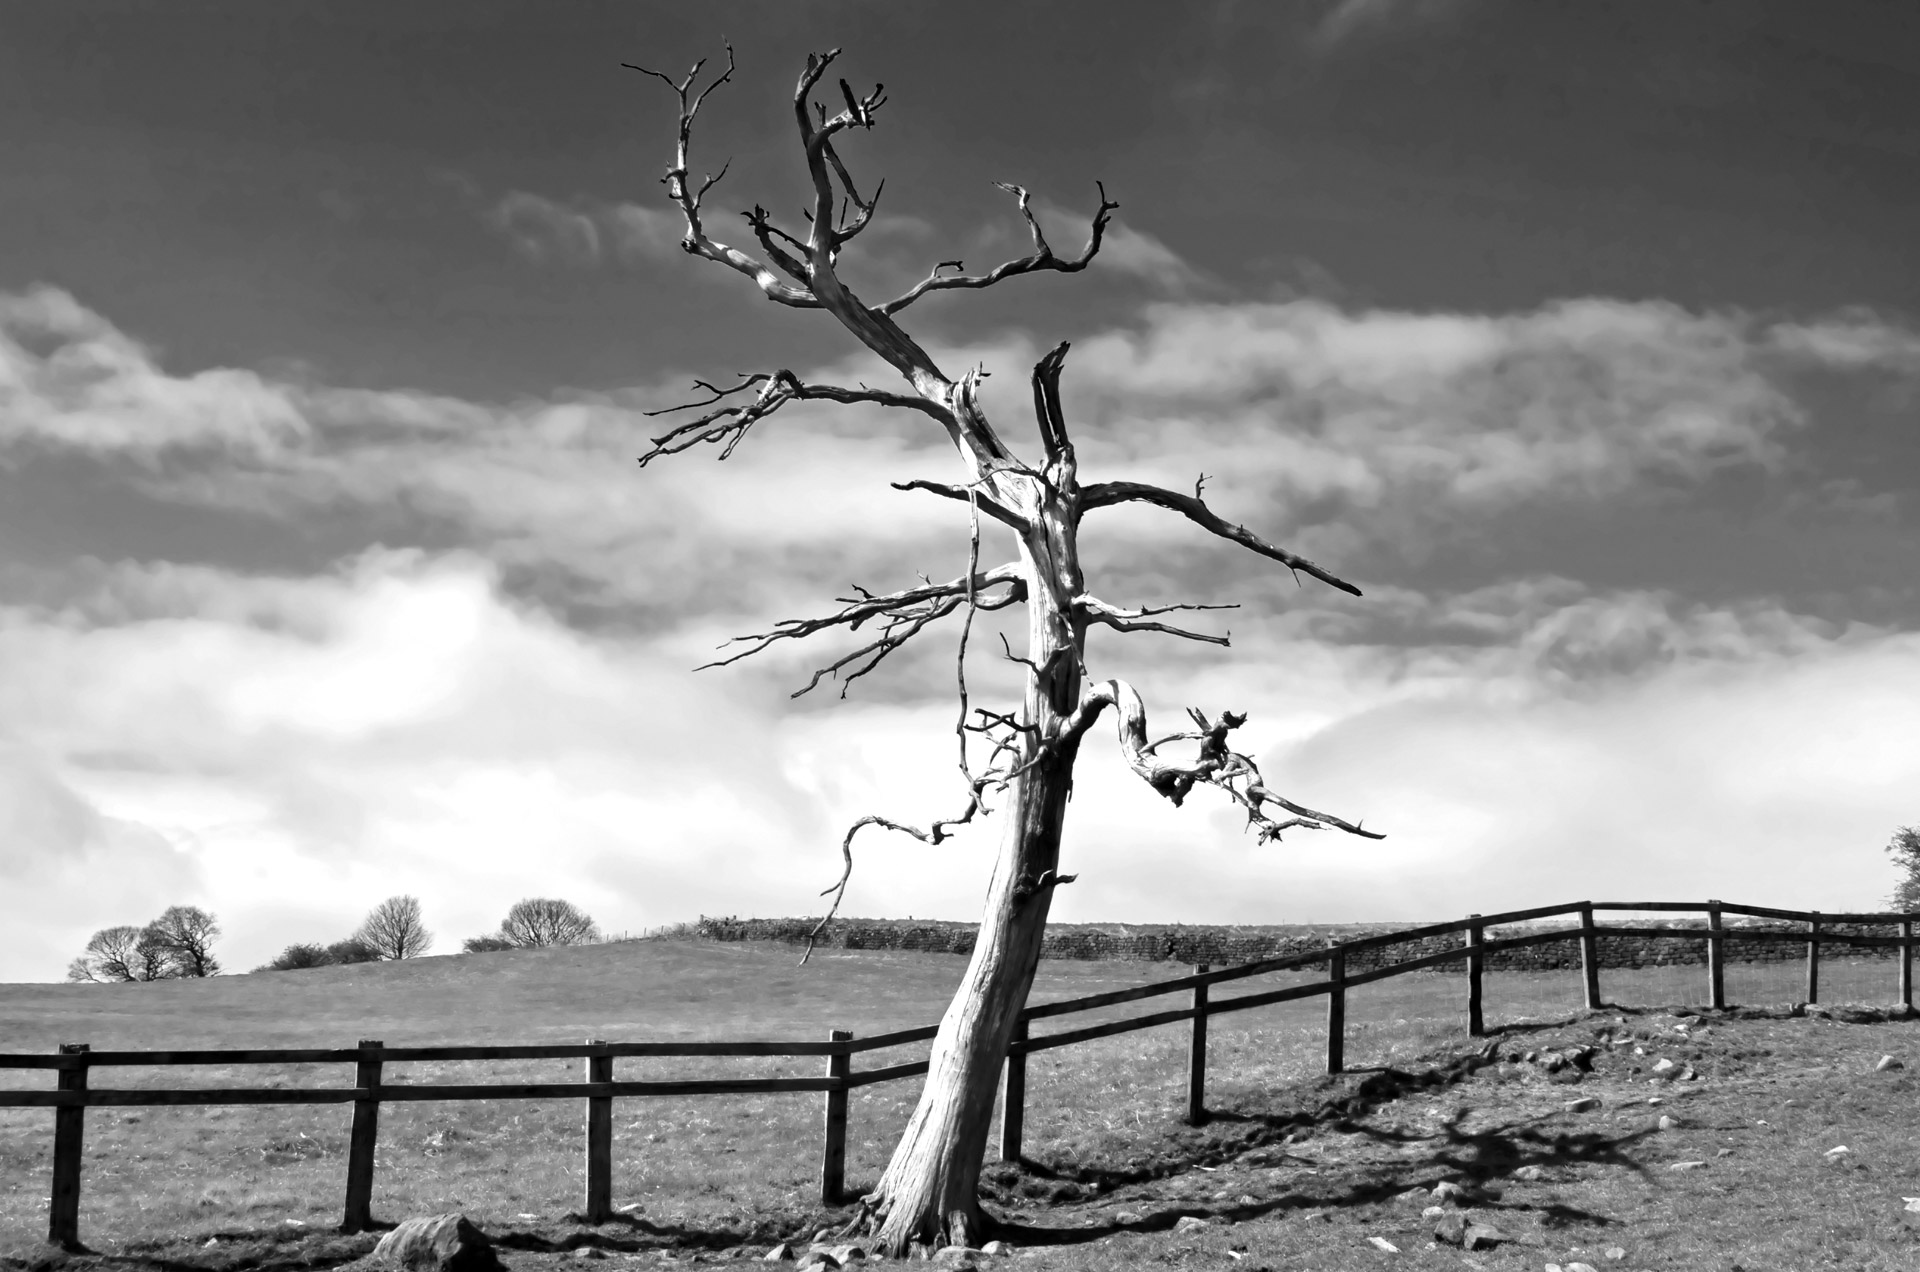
1107,493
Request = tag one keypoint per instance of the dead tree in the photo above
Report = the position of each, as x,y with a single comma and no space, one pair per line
928,1191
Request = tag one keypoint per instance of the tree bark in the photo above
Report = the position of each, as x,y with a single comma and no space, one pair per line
930,1190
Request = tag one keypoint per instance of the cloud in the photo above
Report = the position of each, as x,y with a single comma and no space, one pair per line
1579,398
503,708
395,725
584,231
71,380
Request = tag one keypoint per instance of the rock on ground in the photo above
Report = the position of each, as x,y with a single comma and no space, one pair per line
438,1243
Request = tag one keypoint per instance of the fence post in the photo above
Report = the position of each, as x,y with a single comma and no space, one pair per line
365,1134
833,1152
1906,964
1013,1095
1337,1011
598,1205
1476,968
1590,957
1813,958
1197,1055
69,1129
1716,959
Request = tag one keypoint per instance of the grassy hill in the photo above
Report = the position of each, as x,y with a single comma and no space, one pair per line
1295,1169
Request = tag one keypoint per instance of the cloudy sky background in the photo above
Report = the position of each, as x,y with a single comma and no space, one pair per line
1583,338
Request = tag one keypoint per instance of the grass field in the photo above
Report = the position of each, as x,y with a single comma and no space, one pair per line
1295,1169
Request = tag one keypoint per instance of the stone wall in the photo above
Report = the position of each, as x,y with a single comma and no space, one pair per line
1225,946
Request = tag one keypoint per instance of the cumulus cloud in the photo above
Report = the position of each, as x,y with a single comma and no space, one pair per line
290,746
69,379
583,231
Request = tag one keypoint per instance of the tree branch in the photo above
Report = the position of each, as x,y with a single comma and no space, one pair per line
729,424
1062,468
901,615
1107,493
999,512
696,242
1215,765
1138,620
1042,257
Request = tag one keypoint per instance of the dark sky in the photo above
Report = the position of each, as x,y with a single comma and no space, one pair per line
248,183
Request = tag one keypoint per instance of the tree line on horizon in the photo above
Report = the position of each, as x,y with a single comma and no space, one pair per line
179,944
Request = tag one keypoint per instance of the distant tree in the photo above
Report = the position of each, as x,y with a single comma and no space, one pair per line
352,950
1904,848
186,933
393,929
298,955
486,944
544,921
125,953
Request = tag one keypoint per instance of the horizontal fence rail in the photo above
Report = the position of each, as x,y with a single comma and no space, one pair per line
74,1062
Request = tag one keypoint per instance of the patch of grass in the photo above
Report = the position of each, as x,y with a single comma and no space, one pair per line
1294,1169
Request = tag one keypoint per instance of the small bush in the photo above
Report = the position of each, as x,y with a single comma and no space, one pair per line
486,944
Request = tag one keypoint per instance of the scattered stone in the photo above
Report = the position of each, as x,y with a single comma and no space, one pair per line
438,1243
1452,1228
782,1253
1663,1065
955,1254
1838,1151
1656,1099
998,1249
1581,1105
1581,1267
1446,1190
1413,1196
1126,1216
1687,1166
1723,1152
1911,1215
1483,1235
1888,1062
1191,1223
1669,1123
1613,1254
1381,1243
589,1252
1530,1174
845,1254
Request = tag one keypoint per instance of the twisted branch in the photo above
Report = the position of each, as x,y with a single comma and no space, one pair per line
1215,765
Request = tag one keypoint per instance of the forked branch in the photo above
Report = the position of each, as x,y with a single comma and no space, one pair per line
696,241
1041,258
1105,494
900,616
729,424
1141,620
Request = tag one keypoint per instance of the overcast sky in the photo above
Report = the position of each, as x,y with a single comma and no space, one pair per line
1584,338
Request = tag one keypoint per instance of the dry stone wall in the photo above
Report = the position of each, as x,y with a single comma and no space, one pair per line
1225,946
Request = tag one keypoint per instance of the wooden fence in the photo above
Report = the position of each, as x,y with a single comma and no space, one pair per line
598,1088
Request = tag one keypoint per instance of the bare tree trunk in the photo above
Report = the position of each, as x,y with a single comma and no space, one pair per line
930,1190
